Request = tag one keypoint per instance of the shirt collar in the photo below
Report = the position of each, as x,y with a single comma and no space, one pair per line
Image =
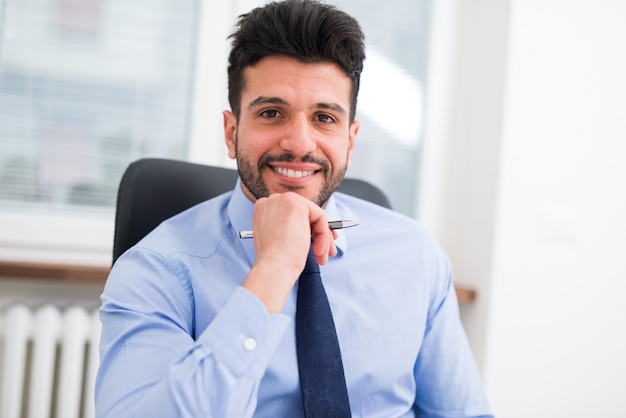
241,209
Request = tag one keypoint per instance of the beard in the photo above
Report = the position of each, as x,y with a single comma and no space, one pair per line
253,180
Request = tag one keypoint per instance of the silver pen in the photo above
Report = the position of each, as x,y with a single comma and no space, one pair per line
331,225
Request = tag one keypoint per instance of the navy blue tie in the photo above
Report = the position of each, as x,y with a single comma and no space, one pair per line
322,381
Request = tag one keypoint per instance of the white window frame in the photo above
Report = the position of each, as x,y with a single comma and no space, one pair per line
87,239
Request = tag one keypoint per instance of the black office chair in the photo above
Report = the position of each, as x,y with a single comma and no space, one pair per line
152,190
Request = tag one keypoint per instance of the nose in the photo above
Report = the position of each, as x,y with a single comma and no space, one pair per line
299,136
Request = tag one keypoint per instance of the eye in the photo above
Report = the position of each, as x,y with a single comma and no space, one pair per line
269,113
324,118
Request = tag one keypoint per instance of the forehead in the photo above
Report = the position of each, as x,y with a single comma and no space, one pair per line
295,81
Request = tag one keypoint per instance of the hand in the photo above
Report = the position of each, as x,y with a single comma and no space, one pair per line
284,225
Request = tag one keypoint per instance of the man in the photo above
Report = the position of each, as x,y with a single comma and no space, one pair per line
197,322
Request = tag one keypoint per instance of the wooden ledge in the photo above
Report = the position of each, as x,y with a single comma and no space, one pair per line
95,274
61,272
465,294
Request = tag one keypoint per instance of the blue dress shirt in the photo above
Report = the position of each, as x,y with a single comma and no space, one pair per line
182,338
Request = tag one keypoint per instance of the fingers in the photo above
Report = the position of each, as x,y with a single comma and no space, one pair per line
289,222
323,237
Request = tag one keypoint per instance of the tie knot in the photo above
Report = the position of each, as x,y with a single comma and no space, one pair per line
311,265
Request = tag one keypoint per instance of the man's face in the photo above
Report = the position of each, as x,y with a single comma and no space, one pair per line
293,133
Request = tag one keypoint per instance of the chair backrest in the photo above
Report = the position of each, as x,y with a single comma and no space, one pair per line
152,190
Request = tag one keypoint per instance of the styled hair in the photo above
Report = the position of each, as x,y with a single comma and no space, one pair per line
307,30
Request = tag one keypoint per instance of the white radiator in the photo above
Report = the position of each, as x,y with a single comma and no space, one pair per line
49,361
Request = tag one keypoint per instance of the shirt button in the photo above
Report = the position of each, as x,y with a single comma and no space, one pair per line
249,344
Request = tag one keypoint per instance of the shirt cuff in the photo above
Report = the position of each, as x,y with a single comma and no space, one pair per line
244,335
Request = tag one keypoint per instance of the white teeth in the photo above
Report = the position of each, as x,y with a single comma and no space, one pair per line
294,174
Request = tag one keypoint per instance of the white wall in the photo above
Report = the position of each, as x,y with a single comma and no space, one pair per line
462,141
532,197
557,329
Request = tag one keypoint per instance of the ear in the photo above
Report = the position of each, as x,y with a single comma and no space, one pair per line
230,133
353,131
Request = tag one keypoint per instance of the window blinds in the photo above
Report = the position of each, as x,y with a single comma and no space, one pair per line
87,86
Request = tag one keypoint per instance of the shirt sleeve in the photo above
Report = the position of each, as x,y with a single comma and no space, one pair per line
448,381
151,365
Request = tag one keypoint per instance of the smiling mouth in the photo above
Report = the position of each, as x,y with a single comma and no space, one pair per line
292,174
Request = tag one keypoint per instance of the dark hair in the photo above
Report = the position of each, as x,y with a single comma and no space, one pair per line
306,30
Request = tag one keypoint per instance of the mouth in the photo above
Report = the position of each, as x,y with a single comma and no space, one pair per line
291,173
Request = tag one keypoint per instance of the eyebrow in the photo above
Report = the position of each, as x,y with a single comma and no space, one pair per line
331,106
263,100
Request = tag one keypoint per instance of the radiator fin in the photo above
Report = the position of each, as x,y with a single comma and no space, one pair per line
49,362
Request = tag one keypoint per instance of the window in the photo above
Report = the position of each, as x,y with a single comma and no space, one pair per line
391,100
86,86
